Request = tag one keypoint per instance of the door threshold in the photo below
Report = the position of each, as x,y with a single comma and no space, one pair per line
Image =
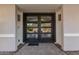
31,44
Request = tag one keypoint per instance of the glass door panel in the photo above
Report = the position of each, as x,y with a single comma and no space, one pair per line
32,30
45,24
45,35
45,18
32,18
46,30
32,25
32,36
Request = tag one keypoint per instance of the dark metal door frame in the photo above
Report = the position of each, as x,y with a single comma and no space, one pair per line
53,39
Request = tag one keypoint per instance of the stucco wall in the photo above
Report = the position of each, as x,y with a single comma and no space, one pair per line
71,27
19,26
7,28
59,27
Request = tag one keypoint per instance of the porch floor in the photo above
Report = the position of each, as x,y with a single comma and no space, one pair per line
42,49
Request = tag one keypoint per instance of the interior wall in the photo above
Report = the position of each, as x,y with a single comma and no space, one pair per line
7,28
59,26
19,26
71,28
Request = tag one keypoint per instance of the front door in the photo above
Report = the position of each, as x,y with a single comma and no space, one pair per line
39,28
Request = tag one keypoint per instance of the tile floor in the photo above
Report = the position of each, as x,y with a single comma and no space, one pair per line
42,49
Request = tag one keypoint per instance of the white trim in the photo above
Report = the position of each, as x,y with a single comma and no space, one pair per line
71,34
7,35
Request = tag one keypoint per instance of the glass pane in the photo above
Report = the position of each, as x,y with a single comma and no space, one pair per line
32,30
32,18
46,25
45,18
46,30
32,35
32,24
45,35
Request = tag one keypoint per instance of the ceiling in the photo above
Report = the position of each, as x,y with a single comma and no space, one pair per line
38,7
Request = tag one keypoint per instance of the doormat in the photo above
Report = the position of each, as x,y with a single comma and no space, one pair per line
30,44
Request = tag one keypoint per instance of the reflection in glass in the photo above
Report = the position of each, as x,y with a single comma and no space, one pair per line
46,35
32,36
46,30
32,24
45,18
46,25
32,30
32,18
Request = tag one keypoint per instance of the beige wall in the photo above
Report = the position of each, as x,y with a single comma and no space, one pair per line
59,26
71,27
67,30
7,28
10,30
19,26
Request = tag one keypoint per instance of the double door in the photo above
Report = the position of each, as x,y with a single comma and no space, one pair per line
38,28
